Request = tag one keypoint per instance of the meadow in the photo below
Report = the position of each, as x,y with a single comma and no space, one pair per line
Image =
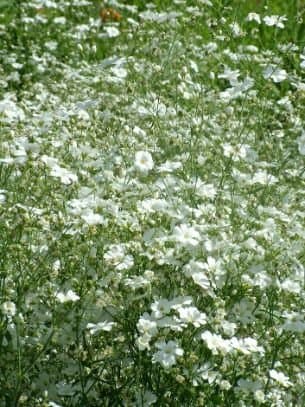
152,200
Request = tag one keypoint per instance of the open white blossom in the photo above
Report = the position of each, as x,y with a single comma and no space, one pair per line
110,32
301,143
8,308
116,257
274,20
275,73
92,218
161,308
66,177
216,343
70,295
186,235
280,378
191,315
100,326
143,161
167,354
254,17
147,325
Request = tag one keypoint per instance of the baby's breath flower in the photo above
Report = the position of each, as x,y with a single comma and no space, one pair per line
167,354
161,308
280,378
253,17
8,308
186,235
70,295
301,143
191,315
143,342
100,326
147,325
216,343
274,20
143,161
275,73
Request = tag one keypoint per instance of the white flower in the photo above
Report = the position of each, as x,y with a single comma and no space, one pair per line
234,152
263,178
92,218
51,45
202,280
116,256
291,286
249,385
60,20
230,75
69,296
186,235
229,328
9,109
259,396
136,282
301,143
2,196
204,190
196,270
143,161
56,266
100,326
169,166
216,343
147,325
191,315
171,322
143,342
8,308
244,311
111,32
236,30
167,354
52,404
161,308
159,17
119,71
66,176
274,20
294,326
239,89
276,74
246,345
225,385
253,17
280,378
153,205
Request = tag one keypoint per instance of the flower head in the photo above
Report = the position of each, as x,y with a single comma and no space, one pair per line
186,235
68,296
143,161
167,354
301,143
9,308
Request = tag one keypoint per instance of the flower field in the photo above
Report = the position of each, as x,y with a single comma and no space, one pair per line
152,200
